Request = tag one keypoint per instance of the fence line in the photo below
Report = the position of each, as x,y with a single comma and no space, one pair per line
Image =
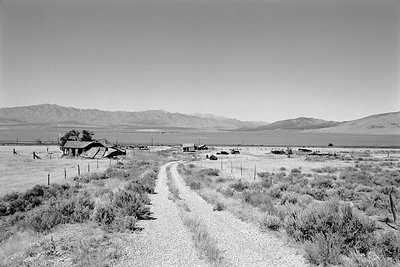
79,171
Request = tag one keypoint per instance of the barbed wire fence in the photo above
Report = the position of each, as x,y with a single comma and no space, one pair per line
63,174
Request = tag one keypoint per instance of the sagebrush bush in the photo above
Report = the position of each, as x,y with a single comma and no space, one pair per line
389,244
321,182
256,198
131,203
44,218
218,206
209,172
324,249
356,230
104,213
240,186
194,185
270,222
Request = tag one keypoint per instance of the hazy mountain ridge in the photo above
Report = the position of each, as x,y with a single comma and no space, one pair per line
379,123
55,115
48,115
301,123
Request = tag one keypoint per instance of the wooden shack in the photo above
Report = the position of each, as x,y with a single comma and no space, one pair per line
188,147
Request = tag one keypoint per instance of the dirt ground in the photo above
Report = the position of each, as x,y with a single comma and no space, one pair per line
21,171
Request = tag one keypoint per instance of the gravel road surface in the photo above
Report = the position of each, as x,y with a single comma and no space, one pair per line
243,244
164,241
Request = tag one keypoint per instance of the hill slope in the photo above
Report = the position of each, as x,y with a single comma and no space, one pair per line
300,123
54,115
381,123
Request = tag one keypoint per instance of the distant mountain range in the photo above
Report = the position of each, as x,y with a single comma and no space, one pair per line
48,115
58,116
301,123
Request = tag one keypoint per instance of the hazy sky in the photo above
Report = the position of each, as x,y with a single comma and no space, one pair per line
251,60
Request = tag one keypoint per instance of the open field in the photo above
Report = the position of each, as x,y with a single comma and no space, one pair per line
260,159
342,207
20,172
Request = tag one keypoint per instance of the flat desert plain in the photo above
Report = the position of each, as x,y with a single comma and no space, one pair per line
20,172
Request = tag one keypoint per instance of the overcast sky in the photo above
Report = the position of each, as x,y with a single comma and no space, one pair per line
251,60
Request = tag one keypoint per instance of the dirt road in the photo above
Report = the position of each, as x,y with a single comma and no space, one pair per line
242,243
165,241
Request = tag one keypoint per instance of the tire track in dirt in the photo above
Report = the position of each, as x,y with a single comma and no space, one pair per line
164,241
242,243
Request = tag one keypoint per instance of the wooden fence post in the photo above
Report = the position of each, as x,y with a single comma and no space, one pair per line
48,179
65,173
97,164
255,171
79,170
88,168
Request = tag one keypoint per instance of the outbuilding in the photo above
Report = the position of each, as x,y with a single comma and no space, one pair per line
188,147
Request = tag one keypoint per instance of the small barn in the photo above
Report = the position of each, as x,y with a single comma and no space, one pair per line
76,148
188,147
92,149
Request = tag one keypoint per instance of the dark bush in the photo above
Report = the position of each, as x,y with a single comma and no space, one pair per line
355,230
194,185
104,214
240,186
389,244
132,204
44,218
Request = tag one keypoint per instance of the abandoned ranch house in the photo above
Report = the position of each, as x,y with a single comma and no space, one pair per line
91,149
191,147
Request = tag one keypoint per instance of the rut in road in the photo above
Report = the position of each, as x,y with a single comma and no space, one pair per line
164,241
242,243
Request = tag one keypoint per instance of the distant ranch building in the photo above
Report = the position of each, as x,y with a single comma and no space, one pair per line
91,149
188,147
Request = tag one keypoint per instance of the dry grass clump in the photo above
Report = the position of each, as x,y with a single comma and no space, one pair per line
202,240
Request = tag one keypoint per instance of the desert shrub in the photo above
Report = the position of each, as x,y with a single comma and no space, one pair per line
324,249
304,200
295,171
389,244
104,193
44,218
220,180
130,222
282,169
240,186
326,169
270,222
209,172
275,191
218,206
112,172
317,194
148,181
371,259
191,165
104,213
289,197
355,230
256,199
321,182
228,192
36,196
194,185
346,194
357,177
131,204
